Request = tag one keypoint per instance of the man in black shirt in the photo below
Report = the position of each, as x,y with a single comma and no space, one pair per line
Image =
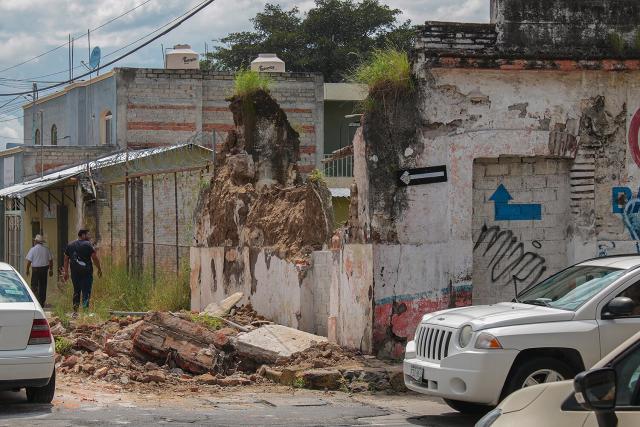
79,257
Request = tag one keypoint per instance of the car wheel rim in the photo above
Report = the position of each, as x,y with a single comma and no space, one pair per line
542,376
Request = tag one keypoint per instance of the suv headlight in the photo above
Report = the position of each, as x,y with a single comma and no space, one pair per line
487,341
464,337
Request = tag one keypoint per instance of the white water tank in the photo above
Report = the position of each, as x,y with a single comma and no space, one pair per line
268,63
181,57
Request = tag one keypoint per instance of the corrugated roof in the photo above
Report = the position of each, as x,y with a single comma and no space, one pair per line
23,189
340,192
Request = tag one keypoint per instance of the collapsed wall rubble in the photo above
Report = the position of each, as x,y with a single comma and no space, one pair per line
257,197
177,348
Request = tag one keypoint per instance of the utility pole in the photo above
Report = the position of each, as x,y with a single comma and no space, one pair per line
33,113
41,143
70,66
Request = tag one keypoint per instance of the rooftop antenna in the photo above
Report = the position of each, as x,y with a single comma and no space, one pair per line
515,287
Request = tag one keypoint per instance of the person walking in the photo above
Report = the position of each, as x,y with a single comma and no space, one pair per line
40,260
79,257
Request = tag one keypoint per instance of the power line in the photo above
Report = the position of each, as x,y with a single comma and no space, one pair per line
77,37
29,80
168,30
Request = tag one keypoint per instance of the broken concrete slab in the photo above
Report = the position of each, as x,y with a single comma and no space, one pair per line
270,342
223,307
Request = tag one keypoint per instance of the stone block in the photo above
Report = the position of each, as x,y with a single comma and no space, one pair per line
270,342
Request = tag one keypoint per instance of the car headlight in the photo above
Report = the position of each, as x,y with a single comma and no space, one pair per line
487,341
464,337
490,418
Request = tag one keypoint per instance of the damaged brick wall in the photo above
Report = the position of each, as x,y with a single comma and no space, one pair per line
163,107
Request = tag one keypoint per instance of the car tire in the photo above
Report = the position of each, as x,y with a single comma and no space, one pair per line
533,366
468,407
42,394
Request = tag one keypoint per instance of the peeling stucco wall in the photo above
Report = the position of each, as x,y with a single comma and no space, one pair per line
331,296
576,124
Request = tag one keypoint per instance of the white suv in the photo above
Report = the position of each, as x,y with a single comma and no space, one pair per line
475,356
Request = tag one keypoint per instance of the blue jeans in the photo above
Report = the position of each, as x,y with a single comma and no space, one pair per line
82,284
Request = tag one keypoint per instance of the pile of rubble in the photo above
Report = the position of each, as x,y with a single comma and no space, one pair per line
238,349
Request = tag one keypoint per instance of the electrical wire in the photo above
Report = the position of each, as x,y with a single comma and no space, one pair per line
29,80
146,43
74,38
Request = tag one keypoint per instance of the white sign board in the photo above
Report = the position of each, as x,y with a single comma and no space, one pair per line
8,164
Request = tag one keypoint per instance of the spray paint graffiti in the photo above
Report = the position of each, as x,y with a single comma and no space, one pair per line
508,257
623,203
396,317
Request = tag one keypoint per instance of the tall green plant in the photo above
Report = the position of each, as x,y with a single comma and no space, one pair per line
248,82
122,291
386,69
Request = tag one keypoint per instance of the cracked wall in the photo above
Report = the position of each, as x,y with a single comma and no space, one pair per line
577,122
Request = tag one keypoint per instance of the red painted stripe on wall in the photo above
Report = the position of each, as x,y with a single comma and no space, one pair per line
308,149
306,168
221,127
160,107
191,127
222,109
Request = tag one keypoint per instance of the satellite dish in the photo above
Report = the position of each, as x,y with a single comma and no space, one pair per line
94,59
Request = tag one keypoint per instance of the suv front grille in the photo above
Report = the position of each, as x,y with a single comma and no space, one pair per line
432,343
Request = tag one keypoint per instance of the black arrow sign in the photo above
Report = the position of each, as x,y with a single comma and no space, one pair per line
419,176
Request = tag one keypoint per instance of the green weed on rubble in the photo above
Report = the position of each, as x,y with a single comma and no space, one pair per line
248,82
120,290
63,345
208,321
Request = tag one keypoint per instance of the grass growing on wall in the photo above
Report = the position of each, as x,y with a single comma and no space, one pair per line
122,291
248,82
387,69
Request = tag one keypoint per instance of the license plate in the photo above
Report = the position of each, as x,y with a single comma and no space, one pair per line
416,373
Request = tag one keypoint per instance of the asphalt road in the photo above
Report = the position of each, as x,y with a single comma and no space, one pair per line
237,409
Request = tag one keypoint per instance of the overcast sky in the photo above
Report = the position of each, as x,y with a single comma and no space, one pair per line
31,27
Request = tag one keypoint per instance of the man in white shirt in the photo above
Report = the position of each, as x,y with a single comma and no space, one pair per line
40,258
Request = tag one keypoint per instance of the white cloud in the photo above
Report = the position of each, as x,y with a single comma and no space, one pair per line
30,27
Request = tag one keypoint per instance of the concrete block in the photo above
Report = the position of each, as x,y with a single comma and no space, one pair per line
270,342
544,195
497,170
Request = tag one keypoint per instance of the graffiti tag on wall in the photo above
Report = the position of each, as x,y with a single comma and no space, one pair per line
508,259
623,203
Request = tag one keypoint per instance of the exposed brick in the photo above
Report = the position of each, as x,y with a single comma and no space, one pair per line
161,126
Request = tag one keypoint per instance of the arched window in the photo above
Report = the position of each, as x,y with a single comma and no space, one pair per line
54,135
37,142
106,130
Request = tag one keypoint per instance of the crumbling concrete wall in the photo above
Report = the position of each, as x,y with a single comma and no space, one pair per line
331,296
491,127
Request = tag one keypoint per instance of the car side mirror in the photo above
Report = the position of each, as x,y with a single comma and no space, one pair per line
595,390
618,307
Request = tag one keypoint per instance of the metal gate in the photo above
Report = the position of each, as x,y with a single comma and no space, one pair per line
13,234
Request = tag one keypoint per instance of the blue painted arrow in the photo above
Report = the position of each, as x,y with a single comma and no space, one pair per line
516,212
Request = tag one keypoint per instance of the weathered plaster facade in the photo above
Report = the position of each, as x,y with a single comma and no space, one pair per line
540,149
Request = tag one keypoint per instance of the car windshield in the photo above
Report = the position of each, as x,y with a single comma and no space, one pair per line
12,289
571,288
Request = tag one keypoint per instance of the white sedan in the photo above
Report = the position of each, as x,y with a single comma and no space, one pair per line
26,345
606,396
